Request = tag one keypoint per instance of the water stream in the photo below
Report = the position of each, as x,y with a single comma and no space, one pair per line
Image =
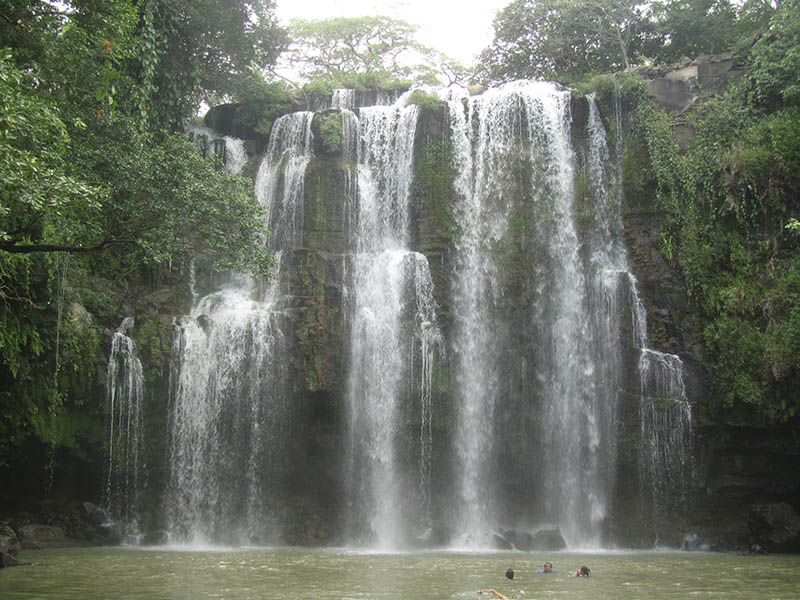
229,408
393,326
124,388
516,169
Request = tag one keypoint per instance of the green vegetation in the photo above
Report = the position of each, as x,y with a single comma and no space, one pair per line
327,128
568,40
102,197
424,100
360,53
262,102
562,38
731,209
435,181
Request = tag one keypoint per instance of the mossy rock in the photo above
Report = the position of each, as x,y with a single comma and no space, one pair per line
328,132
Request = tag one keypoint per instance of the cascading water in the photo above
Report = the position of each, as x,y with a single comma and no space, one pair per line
537,388
664,411
228,149
516,167
477,345
229,408
124,386
235,154
393,325
666,426
533,363
343,98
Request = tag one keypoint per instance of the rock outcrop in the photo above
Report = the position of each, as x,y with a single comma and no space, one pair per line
678,88
36,536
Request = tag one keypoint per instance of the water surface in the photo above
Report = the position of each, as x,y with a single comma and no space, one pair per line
277,574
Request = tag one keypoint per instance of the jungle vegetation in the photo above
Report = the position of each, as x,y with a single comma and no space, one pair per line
102,194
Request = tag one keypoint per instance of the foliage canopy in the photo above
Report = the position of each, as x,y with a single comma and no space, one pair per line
100,187
360,52
567,40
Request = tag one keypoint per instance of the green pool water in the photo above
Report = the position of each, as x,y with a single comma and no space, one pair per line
275,574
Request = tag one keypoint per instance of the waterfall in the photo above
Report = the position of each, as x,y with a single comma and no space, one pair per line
124,385
499,412
230,150
665,429
393,327
664,410
235,154
227,420
476,344
344,99
281,176
229,406
537,385
349,135
516,167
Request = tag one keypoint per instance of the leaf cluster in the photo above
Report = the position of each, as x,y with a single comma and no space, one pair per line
424,100
33,147
563,39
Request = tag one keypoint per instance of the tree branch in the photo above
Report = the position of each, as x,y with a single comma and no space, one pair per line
31,248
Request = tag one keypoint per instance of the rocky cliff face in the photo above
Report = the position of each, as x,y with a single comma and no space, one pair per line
745,486
319,272
746,491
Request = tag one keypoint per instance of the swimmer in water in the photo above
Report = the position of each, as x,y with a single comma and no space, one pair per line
548,568
495,592
583,571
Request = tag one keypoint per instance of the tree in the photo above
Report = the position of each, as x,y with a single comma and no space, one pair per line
689,29
775,78
191,48
563,39
99,190
33,147
359,52
102,180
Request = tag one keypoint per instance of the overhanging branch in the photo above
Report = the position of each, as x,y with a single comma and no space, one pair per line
32,248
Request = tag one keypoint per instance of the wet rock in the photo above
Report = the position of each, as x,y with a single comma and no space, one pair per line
9,544
37,536
6,560
548,539
501,543
521,540
87,508
99,517
775,527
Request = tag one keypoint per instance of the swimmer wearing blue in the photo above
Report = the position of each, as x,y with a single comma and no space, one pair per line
548,568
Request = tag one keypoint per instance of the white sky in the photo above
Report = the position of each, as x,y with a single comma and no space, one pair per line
458,28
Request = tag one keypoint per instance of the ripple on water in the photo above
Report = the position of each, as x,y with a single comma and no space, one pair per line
283,574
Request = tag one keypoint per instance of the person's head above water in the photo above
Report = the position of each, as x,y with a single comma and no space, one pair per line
583,571
548,568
